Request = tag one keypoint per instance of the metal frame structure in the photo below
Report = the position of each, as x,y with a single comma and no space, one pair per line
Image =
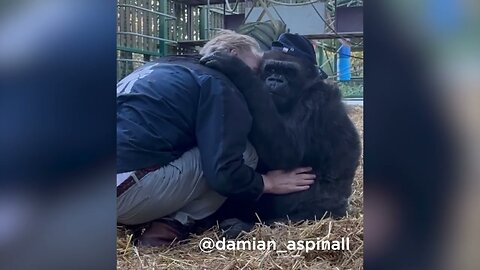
183,25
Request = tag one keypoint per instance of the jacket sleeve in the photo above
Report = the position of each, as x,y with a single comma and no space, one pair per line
222,127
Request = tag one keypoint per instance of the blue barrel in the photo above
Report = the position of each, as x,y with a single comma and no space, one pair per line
343,67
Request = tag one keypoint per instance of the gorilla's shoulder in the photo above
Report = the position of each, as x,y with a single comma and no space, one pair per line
323,91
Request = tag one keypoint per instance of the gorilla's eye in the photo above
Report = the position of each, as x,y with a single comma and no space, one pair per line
291,71
269,69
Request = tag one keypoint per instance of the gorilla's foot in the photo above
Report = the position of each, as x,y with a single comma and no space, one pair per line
233,227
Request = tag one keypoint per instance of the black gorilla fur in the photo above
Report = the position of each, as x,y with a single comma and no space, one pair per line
299,120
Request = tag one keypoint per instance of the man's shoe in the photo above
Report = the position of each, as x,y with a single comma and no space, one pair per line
163,232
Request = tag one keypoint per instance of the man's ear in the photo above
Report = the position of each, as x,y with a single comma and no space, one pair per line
234,52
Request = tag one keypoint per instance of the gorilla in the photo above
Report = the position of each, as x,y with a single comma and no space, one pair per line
298,120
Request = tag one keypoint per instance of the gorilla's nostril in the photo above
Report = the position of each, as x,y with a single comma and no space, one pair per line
275,80
275,85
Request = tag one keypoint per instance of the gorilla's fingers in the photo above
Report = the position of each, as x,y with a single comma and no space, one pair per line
208,57
212,63
213,55
205,58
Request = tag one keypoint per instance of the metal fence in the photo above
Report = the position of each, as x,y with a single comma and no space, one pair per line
151,28
147,29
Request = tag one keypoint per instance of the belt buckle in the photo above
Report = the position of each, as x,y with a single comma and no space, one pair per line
135,178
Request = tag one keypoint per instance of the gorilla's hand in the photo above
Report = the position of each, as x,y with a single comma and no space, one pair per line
234,68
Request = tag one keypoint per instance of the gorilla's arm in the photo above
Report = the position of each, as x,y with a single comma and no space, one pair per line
331,122
271,138
334,150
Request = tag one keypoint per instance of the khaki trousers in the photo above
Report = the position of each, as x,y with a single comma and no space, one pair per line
178,190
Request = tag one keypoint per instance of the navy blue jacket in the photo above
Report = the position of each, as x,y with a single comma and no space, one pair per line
167,107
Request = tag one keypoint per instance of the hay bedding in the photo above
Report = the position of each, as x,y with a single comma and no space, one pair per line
187,255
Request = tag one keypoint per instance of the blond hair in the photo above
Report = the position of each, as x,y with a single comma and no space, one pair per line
228,40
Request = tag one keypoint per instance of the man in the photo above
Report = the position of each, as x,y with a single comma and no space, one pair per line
182,144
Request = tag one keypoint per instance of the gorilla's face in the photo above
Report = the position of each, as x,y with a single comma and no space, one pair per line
286,77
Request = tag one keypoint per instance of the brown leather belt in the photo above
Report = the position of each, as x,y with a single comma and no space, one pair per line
130,181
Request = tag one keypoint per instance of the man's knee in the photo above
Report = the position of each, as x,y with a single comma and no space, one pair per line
173,187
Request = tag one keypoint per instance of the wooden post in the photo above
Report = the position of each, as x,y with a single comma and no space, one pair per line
163,33
155,25
189,22
320,55
203,23
147,26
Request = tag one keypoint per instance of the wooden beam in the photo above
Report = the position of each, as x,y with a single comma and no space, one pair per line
202,2
335,36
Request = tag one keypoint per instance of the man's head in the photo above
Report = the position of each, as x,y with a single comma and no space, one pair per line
242,46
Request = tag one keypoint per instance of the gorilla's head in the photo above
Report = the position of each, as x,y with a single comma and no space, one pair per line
286,76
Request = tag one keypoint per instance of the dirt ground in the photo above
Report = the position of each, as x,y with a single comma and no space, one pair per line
187,255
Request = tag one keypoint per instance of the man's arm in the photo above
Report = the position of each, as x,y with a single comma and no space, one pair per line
223,124
222,127
269,134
